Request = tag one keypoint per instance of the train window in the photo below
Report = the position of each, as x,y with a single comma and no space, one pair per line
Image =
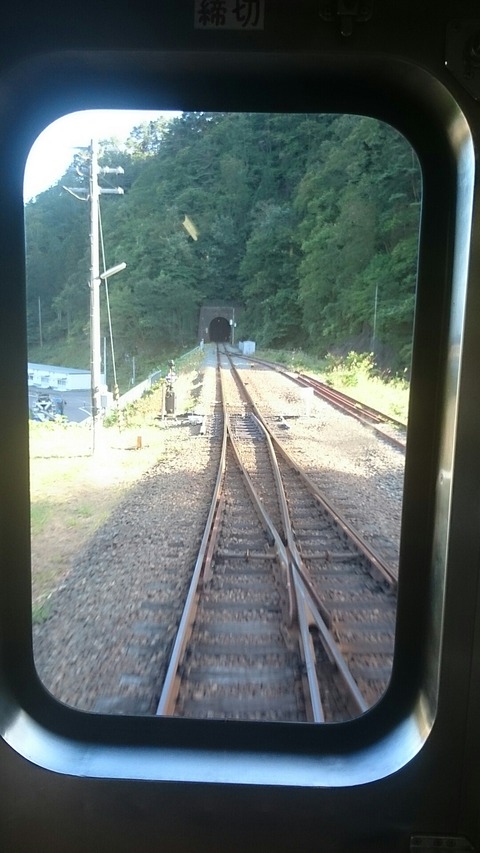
220,317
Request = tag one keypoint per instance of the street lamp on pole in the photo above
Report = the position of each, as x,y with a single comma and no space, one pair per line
95,277
93,194
112,271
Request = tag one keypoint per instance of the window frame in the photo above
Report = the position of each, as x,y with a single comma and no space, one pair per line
391,734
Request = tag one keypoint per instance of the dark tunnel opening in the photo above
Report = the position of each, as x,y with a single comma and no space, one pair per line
219,330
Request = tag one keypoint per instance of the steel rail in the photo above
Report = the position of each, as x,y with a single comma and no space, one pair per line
385,572
309,656
313,698
287,527
296,607
356,405
361,411
282,500
170,687
266,521
202,572
309,607
331,646
304,605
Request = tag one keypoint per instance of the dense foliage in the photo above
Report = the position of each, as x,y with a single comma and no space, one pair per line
307,223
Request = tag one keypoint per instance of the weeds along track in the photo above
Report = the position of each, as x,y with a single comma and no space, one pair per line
290,615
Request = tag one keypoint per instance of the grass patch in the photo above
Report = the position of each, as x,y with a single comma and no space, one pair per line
41,611
85,511
73,492
82,512
40,514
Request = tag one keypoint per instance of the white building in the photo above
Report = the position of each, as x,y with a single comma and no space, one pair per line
53,378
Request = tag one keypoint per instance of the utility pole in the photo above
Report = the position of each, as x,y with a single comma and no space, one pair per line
93,196
95,280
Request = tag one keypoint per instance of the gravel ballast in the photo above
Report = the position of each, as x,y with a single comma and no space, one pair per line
104,646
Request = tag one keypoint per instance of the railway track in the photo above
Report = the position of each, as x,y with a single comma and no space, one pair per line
388,428
366,414
290,615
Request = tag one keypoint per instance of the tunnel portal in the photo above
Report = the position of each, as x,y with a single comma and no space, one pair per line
217,322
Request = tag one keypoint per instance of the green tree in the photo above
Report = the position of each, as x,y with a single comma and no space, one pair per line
269,270
308,221
359,209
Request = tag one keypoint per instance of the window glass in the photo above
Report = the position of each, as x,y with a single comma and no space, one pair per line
165,250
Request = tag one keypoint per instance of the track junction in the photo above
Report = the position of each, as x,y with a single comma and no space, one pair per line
261,586
290,614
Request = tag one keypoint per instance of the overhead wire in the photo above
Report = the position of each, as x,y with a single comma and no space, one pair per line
109,315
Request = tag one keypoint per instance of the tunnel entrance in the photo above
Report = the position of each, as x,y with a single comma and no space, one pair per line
217,321
219,330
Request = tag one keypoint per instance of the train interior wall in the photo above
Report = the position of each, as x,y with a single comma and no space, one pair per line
405,776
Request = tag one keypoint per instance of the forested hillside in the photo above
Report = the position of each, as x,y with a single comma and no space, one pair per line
308,222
